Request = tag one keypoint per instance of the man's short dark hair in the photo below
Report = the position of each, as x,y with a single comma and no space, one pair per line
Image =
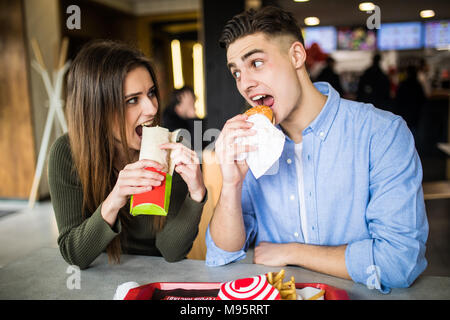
269,20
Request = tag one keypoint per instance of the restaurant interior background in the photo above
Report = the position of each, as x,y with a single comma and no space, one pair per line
408,37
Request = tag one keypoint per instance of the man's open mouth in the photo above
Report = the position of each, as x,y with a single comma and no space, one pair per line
263,100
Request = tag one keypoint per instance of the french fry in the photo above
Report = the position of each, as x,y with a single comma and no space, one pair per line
277,285
279,275
270,278
286,285
289,297
287,289
317,295
287,292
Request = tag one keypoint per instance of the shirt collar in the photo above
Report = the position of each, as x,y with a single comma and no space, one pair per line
321,125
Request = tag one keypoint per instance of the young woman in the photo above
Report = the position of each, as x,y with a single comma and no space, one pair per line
94,169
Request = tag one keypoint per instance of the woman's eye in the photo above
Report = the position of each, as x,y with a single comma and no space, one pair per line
236,74
152,93
132,101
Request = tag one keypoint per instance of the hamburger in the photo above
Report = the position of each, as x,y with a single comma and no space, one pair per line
264,110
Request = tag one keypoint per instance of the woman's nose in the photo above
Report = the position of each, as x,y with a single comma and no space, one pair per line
149,107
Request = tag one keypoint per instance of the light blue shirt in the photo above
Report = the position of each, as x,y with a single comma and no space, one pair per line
362,186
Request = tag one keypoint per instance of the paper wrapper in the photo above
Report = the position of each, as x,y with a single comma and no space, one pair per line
157,200
255,288
310,293
122,290
270,142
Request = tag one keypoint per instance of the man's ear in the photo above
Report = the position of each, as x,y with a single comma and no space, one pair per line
297,54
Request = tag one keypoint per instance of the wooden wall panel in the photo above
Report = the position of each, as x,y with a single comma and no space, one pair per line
17,152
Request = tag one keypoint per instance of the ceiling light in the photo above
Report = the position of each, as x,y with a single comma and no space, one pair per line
312,21
427,13
199,85
301,0
178,81
366,6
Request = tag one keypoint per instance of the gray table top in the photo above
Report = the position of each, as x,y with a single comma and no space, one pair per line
44,275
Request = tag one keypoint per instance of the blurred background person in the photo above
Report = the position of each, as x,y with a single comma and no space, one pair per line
180,114
423,76
374,86
329,75
410,100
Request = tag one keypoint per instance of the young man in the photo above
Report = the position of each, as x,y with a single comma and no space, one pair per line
347,199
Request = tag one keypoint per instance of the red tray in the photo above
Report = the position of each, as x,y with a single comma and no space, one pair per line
145,292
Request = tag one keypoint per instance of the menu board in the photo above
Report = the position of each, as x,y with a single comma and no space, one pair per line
437,34
356,39
400,36
325,37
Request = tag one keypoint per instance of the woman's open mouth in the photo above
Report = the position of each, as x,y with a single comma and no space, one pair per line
138,129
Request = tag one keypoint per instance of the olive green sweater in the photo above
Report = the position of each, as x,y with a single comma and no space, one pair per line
82,240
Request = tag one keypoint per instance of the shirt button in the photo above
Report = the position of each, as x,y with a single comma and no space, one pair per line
321,133
296,234
292,197
312,228
309,157
289,161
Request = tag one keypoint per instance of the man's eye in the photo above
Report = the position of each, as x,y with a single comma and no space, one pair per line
236,74
257,63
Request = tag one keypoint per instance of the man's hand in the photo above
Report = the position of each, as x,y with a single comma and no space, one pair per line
227,224
272,254
325,259
233,172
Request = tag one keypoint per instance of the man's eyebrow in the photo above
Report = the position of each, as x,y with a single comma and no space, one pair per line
246,56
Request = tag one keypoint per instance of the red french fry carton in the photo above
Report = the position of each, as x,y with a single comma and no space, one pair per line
155,201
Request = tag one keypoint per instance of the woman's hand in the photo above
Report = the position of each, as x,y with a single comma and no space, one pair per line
187,165
132,179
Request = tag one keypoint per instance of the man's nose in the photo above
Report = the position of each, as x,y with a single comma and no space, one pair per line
247,82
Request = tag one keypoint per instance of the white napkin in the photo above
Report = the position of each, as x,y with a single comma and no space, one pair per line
122,290
270,142
309,292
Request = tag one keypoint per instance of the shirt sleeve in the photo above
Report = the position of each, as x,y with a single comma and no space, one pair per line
394,255
80,240
215,256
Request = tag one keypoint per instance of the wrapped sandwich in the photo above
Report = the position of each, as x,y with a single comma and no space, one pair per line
269,140
155,201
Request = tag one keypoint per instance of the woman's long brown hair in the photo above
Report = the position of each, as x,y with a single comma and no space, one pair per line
95,101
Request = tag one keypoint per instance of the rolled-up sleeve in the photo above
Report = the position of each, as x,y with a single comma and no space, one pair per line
394,255
216,256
